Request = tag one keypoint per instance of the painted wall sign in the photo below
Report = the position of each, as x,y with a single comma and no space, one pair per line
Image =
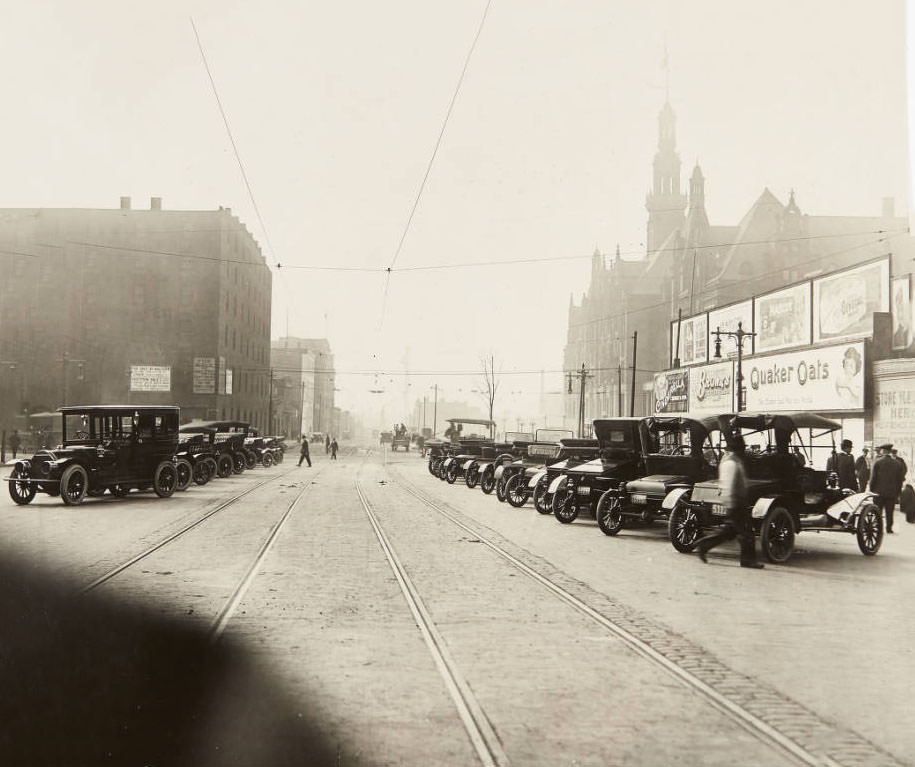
821,379
150,378
783,318
844,303
711,389
204,375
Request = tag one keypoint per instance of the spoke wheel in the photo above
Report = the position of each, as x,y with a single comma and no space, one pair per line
452,474
73,485
165,480
542,500
488,480
224,465
869,530
185,473
516,490
201,472
472,476
431,467
564,508
250,460
776,537
21,492
683,528
610,513
238,463
500,487
267,460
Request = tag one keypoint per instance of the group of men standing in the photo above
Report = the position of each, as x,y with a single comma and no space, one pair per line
885,477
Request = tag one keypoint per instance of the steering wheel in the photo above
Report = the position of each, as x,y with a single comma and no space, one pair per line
82,434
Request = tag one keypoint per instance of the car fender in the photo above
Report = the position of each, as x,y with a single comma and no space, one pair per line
500,471
673,497
448,462
762,506
842,510
467,464
536,477
557,483
481,467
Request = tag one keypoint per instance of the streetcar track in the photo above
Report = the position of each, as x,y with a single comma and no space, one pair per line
770,704
482,736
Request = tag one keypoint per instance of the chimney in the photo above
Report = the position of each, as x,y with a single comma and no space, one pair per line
889,207
125,203
155,203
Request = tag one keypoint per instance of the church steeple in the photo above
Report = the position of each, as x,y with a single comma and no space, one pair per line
665,203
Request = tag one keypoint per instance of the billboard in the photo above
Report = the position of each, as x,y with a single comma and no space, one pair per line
671,391
902,312
693,339
783,318
711,389
150,378
818,379
204,375
727,319
844,303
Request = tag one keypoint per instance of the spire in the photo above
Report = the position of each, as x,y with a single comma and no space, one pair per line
697,189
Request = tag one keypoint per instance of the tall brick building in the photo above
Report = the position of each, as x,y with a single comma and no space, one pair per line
140,306
304,382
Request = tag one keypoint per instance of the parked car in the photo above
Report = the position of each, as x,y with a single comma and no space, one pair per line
571,453
678,451
516,476
440,450
487,469
784,497
195,449
230,439
103,447
620,460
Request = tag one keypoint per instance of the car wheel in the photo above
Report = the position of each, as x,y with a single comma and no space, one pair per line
212,467
442,470
500,487
201,472
776,536
431,467
238,463
472,476
869,530
564,508
543,502
452,473
224,465
250,460
488,480
610,513
267,460
73,485
184,473
516,490
683,528
165,480
21,492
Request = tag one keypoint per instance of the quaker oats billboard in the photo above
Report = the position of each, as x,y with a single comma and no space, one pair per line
693,339
844,303
783,318
671,391
727,319
818,379
711,389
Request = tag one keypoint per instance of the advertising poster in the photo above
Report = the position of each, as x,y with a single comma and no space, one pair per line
150,378
823,379
229,381
844,303
894,411
693,339
711,389
783,318
727,319
204,375
671,391
222,376
902,312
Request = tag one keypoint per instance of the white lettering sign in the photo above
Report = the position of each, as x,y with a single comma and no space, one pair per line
150,378
204,375
711,389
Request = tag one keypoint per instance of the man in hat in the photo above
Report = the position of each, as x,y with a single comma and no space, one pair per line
843,464
863,470
886,482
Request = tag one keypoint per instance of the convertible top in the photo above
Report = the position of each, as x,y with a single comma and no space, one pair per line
783,421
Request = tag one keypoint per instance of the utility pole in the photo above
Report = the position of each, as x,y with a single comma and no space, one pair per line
270,429
635,348
582,376
619,389
435,411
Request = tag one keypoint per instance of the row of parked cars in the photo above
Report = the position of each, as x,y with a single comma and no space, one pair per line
639,472
116,449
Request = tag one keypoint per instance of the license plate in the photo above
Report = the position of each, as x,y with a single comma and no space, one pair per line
638,498
718,510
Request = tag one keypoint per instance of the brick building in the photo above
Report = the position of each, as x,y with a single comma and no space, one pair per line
304,382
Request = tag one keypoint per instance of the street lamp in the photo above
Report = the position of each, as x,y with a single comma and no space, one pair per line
739,336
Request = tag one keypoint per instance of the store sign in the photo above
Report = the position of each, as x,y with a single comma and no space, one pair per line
783,318
894,411
204,375
711,389
844,303
693,332
150,378
828,378
728,319
671,391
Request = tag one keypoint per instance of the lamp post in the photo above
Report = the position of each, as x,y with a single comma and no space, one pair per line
739,335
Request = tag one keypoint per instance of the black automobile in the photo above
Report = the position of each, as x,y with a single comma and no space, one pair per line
103,447
571,453
196,453
230,439
620,460
678,451
784,496
487,470
441,450
516,476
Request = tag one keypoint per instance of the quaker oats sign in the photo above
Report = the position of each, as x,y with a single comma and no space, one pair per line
693,339
783,318
150,378
828,378
671,391
711,389
204,375
727,319
844,303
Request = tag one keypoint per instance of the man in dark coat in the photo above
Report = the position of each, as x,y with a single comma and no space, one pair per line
304,454
886,482
863,470
844,465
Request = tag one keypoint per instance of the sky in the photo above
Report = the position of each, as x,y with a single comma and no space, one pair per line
336,108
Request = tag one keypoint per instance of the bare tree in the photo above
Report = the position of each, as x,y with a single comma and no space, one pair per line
491,386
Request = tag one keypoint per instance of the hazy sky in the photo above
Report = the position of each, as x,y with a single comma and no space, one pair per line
335,108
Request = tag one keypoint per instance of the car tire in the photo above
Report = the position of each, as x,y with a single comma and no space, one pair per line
250,459
73,485
776,536
683,528
488,480
869,530
238,463
201,472
452,473
224,466
516,490
472,475
610,513
21,492
165,479
542,500
500,487
267,460
185,474
564,508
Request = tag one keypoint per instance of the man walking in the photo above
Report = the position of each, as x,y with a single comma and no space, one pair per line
732,484
303,454
863,470
326,444
843,464
15,441
333,449
886,482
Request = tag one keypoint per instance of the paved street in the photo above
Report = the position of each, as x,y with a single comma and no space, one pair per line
700,663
